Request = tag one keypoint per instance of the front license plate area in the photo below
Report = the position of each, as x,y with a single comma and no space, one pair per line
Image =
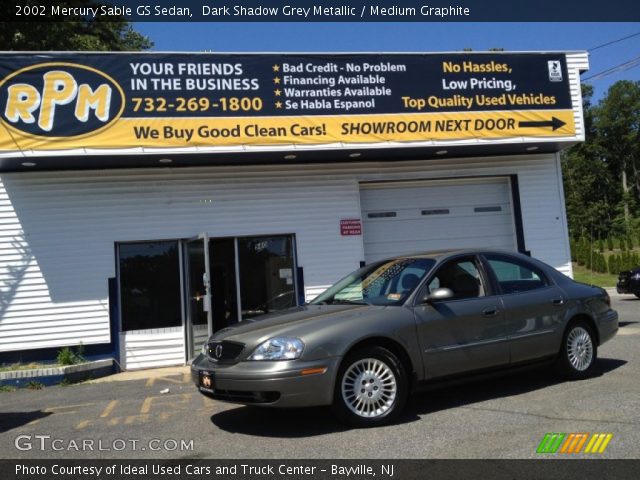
206,382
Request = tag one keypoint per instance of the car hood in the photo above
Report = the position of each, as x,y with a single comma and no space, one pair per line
295,322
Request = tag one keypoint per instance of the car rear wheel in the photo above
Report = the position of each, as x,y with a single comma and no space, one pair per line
371,388
579,351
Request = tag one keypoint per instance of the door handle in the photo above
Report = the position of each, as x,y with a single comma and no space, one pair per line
557,301
490,312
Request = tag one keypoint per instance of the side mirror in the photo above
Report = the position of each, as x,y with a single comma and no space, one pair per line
438,294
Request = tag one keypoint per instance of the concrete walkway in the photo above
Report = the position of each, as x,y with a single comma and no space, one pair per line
144,374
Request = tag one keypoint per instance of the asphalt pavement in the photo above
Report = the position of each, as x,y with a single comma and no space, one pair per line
505,417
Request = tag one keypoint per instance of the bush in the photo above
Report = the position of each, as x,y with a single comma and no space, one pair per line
627,261
580,258
66,356
588,259
615,264
610,244
602,263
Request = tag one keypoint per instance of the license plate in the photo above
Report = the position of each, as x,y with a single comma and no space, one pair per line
206,381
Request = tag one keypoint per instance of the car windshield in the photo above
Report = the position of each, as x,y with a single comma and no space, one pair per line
384,283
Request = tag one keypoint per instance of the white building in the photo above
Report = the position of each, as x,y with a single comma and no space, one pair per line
108,246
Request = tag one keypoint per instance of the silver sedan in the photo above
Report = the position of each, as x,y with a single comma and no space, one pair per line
364,344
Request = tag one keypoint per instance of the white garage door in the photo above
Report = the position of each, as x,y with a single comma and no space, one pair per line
401,218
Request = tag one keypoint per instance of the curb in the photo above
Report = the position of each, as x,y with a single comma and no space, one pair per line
54,375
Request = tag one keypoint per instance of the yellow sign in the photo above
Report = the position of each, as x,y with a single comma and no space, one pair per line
218,132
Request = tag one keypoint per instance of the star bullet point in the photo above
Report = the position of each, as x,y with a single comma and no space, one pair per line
278,104
276,80
276,68
277,92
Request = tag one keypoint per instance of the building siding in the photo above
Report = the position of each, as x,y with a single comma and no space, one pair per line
58,230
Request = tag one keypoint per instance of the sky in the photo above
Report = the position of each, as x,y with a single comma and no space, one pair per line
410,37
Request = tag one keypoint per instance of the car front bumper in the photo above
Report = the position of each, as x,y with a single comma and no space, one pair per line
628,286
269,383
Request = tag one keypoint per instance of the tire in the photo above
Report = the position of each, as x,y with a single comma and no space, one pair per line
371,388
578,352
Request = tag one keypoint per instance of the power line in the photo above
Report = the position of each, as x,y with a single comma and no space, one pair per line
613,41
634,62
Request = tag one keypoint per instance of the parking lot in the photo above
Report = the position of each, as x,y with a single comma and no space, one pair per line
504,417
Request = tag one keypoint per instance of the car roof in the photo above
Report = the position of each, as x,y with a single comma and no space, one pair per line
445,253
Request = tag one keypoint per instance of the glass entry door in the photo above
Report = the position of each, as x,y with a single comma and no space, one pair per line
231,279
224,281
199,323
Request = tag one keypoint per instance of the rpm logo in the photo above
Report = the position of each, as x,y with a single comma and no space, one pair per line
60,100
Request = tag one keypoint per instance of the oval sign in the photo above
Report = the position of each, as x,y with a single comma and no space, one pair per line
59,100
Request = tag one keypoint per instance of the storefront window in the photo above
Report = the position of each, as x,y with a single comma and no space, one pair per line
149,285
266,274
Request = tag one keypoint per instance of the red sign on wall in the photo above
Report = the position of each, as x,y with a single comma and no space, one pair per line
350,226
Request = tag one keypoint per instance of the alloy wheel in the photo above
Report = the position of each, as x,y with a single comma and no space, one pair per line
579,349
369,388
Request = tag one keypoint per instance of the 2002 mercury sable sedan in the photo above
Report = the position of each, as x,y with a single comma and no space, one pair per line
362,345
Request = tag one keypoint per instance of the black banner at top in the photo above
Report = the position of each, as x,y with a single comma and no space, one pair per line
327,11
92,100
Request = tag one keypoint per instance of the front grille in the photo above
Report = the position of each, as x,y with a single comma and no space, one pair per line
624,276
244,397
224,351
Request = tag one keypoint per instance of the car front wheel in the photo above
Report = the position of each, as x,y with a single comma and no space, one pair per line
371,388
579,351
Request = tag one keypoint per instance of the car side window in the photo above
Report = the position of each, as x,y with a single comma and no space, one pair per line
462,277
514,276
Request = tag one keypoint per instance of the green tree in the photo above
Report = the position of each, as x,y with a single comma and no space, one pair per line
112,33
602,174
589,187
617,124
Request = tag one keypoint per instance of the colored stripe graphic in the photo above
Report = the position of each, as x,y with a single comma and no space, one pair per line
551,442
574,443
598,443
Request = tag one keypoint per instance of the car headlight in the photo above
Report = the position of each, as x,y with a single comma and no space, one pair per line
205,348
635,276
278,348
